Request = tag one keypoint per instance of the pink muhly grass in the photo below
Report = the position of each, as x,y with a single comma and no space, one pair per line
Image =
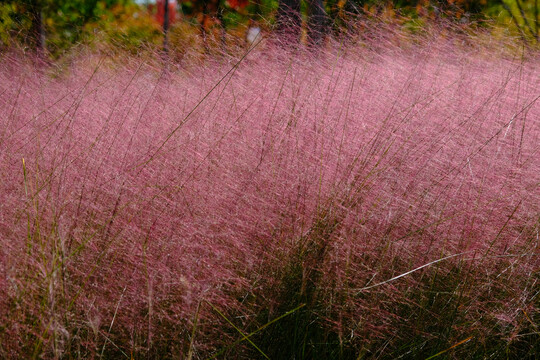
131,209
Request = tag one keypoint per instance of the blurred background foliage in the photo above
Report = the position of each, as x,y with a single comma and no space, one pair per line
132,25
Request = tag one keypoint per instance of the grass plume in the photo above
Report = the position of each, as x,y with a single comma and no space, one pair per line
362,201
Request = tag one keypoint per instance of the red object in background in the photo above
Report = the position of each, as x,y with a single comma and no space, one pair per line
238,4
160,14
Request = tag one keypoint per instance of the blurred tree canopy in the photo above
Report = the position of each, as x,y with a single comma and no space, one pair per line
62,21
66,22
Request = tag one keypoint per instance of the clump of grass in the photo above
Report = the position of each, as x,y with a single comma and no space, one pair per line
351,202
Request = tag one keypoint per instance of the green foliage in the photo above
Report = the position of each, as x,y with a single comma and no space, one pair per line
525,16
7,23
128,27
66,22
